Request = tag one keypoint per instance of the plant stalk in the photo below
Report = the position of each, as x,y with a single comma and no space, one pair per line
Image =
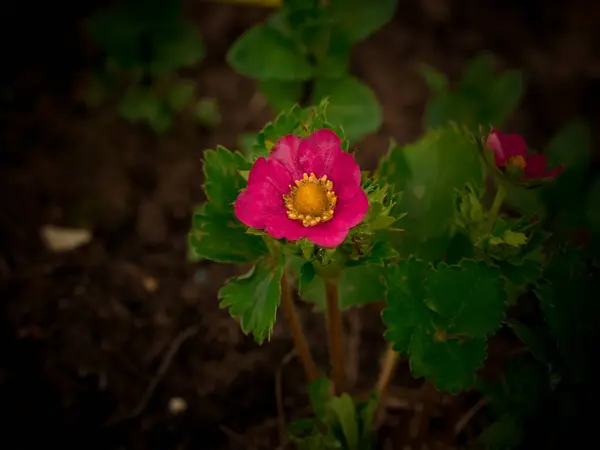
334,331
388,365
298,336
496,205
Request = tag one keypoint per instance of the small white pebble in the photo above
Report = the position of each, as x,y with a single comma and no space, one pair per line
177,405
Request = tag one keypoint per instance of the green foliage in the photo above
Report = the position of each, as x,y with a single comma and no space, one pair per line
339,422
441,316
429,172
216,234
298,121
353,105
145,44
359,285
254,297
482,97
301,55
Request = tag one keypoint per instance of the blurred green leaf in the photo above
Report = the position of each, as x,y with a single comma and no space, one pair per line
358,19
359,285
281,95
266,54
207,112
429,172
254,297
140,103
181,47
180,94
352,105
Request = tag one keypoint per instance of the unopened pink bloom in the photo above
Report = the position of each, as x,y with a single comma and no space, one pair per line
511,150
306,188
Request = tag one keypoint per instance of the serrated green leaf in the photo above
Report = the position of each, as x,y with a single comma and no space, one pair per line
358,285
450,364
358,19
254,297
281,95
429,172
469,298
265,54
406,314
222,180
352,105
528,272
222,239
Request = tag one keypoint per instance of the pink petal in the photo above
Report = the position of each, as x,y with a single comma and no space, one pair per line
285,151
321,153
535,166
505,145
281,227
327,234
348,213
257,204
554,172
270,171
345,176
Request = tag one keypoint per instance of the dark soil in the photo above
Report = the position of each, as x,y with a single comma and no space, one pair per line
120,343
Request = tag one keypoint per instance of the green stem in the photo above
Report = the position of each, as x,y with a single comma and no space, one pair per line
496,205
334,332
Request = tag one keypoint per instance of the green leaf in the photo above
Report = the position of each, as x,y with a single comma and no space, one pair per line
254,297
222,239
359,285
140,103
281,95
533,339
429,172
180,94
358,19
319,394
593,205
345,414
571,147
181,46
352,105
469,298
207,112
406,314
307,275
222,180
450,364
503,434
528,272
436,80
266,54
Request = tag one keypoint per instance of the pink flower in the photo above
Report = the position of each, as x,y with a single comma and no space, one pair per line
511,150
306,188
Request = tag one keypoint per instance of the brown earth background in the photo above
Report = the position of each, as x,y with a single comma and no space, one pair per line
84,334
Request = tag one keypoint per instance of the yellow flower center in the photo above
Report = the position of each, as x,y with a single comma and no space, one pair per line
517,161
312,200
